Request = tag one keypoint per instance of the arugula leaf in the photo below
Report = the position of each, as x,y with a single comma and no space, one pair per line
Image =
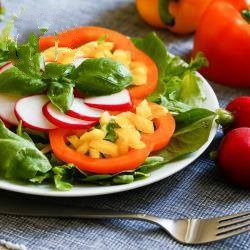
20,159
110,129
15,81
61,95
101,76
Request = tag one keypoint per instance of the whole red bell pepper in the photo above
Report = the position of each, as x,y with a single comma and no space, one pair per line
223,35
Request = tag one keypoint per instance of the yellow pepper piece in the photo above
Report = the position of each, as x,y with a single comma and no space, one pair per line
122,144
83,148
144,110
94,153
105,147
95,134
122,56
74,140
60,55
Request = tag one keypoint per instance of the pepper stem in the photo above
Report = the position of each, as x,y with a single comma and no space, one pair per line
166,17
246,15
224,117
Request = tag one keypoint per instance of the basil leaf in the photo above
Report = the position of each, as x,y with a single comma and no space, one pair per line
61,95
101,76
56,70
15,81
20,159
188,138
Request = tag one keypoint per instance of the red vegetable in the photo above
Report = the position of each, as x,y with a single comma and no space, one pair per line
223,35
234,156
76,37
240,108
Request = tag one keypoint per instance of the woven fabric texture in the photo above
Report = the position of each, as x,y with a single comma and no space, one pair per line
197,191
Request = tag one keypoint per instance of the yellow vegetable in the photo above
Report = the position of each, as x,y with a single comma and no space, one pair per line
158,111
105,119
122,56
95,134
139,73
144,110
90,49
83,148
122,144
74,140
105,147
94,153
142,124
59,55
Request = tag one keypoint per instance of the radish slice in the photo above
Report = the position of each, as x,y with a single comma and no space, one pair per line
120,101
7,106
81,111
6,66
29,110
61,120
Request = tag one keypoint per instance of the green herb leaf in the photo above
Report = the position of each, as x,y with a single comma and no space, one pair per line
110,129
15,81
61,95
56,70
28,58
20,159
101,76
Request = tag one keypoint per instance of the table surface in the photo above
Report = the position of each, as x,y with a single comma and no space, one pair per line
197,191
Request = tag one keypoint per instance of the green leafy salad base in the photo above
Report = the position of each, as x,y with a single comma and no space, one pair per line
179,90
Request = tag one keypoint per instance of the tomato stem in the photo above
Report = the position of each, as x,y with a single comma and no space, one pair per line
166,17
246,15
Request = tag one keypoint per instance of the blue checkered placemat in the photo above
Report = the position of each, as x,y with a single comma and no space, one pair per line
197,191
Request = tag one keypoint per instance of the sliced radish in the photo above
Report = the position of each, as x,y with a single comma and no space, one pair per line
61,120
29,110
7,106
80,110
120,101
6,66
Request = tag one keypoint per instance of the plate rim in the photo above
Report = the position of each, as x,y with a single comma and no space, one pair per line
30,190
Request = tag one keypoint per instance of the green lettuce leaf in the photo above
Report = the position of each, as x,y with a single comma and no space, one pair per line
20,159
177,82
193,130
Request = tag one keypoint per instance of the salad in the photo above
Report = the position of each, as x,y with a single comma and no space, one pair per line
91,105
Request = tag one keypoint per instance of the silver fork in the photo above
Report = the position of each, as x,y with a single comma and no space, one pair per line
186,231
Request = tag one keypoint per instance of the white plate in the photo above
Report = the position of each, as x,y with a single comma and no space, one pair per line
157,175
